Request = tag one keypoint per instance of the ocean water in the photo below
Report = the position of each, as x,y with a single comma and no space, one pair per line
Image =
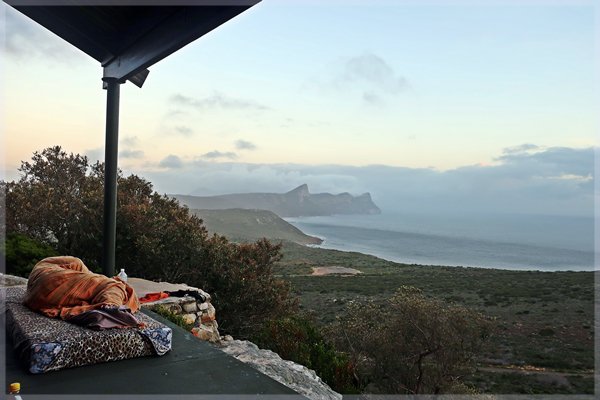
518,242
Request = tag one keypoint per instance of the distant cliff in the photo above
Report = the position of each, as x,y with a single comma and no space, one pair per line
296,203
250,225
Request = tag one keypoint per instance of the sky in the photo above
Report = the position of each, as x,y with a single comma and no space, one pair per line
486,105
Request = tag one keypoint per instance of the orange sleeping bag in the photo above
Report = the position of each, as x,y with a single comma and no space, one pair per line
64,287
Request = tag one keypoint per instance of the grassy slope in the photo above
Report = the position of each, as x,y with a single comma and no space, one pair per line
240,224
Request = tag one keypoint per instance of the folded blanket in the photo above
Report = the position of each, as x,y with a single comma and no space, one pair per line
150,297
64,287
106,318
155,296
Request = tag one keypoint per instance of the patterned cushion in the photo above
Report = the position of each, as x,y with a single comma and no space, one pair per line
47,344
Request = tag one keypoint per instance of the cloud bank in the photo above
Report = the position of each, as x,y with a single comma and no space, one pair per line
216,154
556,180
136,154
367,76
184,130
374,71
171,162
244,145
215,100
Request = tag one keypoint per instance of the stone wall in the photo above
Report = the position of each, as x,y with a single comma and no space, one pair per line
194,312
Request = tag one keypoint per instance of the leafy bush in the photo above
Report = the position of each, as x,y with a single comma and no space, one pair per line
411,344
58,202
174,318
240,279
22,253
298,339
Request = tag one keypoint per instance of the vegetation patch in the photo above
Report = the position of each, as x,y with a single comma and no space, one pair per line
171,316
298,339
22,253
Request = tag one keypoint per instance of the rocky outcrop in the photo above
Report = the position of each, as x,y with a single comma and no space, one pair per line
298,202
295,376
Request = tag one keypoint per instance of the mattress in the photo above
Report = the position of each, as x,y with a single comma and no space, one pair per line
46,344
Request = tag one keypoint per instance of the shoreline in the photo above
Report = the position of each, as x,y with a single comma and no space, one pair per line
351,249
418,248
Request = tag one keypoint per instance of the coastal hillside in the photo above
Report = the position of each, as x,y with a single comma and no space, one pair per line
249,225
539,313
543,339
295,203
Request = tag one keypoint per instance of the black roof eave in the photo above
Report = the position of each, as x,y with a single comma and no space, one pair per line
126,40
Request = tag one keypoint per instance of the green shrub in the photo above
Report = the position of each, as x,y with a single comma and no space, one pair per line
171,316
22,253
412,344
298,339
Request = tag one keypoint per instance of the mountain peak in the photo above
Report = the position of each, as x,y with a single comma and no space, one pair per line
301,190
295,203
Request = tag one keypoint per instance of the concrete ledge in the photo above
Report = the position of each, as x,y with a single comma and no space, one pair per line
191,367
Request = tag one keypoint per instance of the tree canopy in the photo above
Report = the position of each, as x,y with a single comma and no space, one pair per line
57,202
412,344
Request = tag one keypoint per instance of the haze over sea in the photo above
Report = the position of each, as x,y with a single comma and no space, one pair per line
509,241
